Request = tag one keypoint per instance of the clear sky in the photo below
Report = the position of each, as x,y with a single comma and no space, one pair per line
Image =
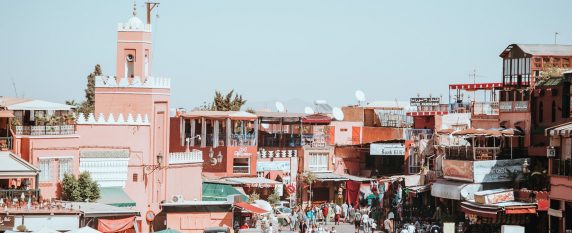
293,51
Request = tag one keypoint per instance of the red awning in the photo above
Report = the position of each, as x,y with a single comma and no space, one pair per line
469,208
250,208
115,225
426,113
475,86
520,210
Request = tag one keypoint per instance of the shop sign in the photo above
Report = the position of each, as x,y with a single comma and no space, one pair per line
244,151
6,222
273,166
555,213
458,170
388,149
490,171
430,101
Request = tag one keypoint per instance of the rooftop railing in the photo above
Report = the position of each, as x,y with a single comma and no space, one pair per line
40,130
195,156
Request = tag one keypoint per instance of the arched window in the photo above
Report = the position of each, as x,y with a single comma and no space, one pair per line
540,112
553,111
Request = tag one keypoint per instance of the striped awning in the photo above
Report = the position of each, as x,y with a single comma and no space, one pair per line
426,113
475,86
560,130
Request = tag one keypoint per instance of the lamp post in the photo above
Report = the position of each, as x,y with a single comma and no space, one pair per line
525,170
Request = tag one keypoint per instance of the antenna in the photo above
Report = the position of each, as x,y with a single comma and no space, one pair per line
308,110
14,86
360,96
555,36
338,114
280,106
150,6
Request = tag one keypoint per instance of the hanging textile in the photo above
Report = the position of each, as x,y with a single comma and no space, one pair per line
352,192
115,225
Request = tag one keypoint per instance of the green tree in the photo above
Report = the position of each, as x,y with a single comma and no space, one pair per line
274,199
80,189
253,197
88,105
224,102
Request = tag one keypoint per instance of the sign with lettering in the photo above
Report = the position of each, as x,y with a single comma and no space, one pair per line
389,149
490,171
484,171
430,101
273,166
243,151
6,222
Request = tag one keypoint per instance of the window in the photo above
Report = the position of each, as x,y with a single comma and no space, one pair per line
241,165
318,161
135,177
344,130
65,167
45,171
540,112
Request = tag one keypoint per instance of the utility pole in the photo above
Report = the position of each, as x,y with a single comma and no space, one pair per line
150,6
14,86
555,36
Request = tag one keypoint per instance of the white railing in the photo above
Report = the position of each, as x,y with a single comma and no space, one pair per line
521,106
195,156
277,153
505,106
514,106
485,108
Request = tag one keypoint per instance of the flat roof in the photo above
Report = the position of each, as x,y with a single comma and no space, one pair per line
197,203
92,209
220,114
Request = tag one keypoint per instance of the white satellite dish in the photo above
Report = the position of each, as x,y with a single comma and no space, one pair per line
280,106
360,96
320,102
308,110
265,125
338,114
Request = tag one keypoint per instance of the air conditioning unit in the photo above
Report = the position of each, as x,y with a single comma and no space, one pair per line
177,198
551,151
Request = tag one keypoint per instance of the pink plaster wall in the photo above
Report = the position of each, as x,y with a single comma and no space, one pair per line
197,222
185,180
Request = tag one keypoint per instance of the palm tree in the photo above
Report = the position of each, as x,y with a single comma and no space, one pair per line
225,102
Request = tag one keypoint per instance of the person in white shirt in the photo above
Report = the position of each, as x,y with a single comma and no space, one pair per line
345,212
338,213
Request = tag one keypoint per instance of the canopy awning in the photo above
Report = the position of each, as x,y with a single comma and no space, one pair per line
454,190
316,119
219,192
115,196
426,113
328,176
12,166
253,181
250,208
491,210
475,86
40,105
560,130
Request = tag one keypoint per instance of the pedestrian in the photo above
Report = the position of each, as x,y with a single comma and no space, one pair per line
293,219
345,207
365,223
325,211
357,221
310,215
388,225
337,213
333,230
351,213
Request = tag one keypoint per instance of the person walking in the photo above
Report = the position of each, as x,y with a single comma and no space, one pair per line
357,221
351,213
345,207
325,211
337,213
293,219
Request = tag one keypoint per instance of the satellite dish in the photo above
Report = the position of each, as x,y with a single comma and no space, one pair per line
320,102
360,96
279,106
308,110
265,125
338,114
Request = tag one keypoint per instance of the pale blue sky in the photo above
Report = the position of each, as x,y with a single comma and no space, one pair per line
276,50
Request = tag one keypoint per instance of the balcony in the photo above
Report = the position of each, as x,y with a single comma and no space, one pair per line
5,143
241,169
195,156
562,167
485,108
470,153
263,153
514,106
9,194
41,130
278,140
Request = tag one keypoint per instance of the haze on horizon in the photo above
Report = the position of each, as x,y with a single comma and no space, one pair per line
292,51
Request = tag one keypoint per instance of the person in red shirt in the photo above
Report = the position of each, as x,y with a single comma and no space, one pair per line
244,226
325,211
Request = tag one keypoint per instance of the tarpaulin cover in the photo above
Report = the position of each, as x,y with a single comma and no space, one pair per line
115,225
352,192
